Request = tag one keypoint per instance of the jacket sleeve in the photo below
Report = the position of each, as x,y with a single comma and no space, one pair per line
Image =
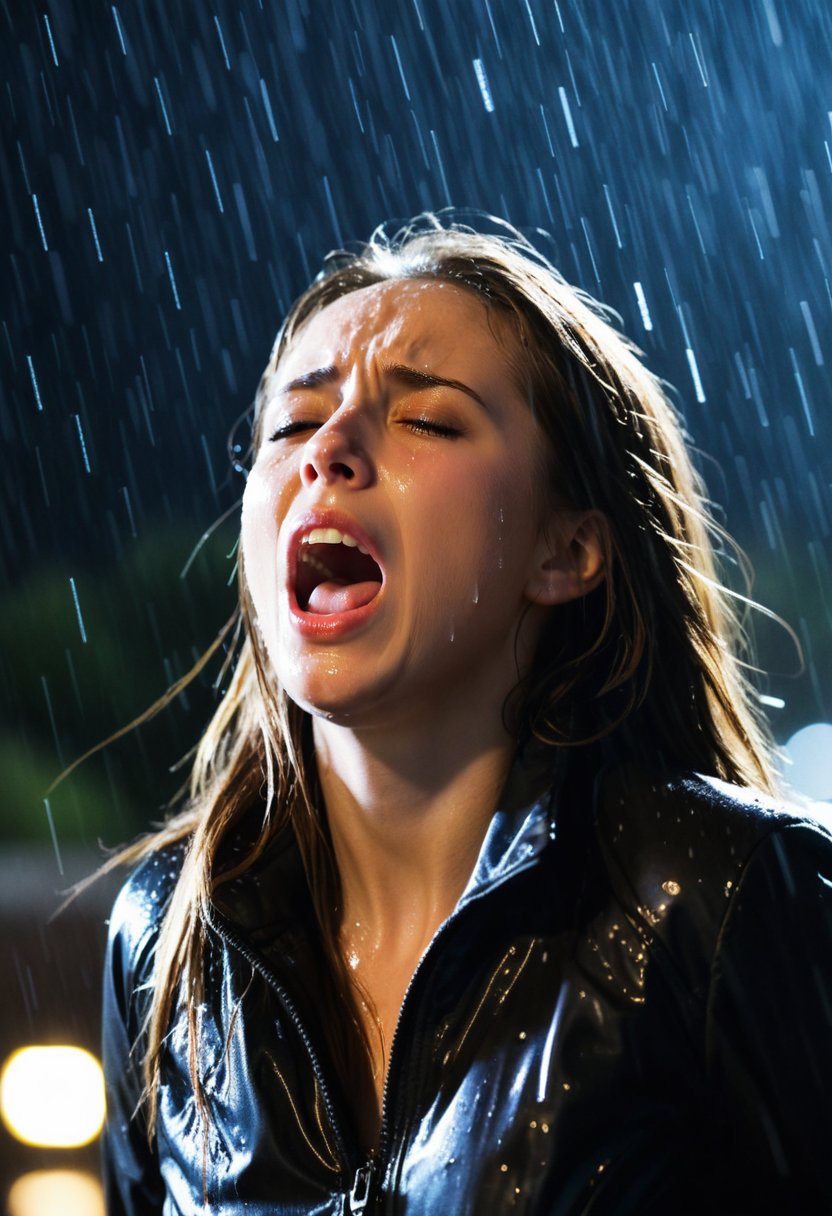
130,1169
770,1021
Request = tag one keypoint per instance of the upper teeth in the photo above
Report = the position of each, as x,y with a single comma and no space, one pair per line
331,536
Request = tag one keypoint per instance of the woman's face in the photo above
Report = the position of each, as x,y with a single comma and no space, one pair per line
392,518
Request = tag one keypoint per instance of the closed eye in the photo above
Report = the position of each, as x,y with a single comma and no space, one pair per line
288,429
422,426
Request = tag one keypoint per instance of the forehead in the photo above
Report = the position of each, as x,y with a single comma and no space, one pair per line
417,320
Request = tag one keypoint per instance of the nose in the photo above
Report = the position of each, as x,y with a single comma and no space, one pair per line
335,453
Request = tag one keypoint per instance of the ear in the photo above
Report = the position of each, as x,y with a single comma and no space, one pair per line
570,558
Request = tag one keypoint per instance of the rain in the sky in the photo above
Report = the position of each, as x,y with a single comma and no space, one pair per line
173,175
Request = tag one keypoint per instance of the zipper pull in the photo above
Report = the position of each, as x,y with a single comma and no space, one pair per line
360,1193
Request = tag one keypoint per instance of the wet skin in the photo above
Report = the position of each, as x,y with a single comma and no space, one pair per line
446,483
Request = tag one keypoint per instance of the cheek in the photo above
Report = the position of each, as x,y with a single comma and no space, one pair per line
258,538
476,533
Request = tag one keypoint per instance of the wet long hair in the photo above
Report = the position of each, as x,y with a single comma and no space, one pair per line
649,661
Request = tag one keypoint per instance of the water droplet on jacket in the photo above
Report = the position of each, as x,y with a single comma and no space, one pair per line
671,887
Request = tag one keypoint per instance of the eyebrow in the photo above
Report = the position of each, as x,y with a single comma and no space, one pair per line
417,379
398,371
321,375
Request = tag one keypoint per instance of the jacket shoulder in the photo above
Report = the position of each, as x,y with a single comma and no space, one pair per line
139,908
677,851
689,822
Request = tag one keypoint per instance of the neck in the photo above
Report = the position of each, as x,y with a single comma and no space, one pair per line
407,811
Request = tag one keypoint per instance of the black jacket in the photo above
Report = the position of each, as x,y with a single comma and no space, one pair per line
629,1012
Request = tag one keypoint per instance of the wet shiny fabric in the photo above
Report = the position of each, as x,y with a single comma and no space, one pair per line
629,1012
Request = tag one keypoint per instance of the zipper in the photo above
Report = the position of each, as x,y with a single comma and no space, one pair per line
382,1152
362,1184
219,923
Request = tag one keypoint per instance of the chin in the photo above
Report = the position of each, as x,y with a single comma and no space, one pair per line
341,700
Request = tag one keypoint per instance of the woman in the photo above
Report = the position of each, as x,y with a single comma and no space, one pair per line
449,925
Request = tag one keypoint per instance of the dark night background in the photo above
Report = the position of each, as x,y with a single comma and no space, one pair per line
172,176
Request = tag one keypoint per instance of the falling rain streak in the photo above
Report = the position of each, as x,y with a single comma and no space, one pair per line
172,281
51,39
36,206
119,29
482,81
80,619
644,311
94,230
34,379
567,114
82,442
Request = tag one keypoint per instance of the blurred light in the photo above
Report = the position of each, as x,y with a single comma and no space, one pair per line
55,1193
52,1097
810,752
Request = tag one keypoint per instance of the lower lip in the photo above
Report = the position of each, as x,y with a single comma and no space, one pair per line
325,627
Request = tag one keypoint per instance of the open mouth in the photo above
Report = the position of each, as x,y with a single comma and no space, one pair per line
334,575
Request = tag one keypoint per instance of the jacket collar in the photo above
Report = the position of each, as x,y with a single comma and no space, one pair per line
272,895
524,822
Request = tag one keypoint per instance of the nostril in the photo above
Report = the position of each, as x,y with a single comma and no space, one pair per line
343,470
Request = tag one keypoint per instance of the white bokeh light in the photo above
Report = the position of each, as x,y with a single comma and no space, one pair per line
50,1192
810,753
52,1097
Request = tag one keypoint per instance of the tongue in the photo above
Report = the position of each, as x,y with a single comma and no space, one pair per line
328,598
